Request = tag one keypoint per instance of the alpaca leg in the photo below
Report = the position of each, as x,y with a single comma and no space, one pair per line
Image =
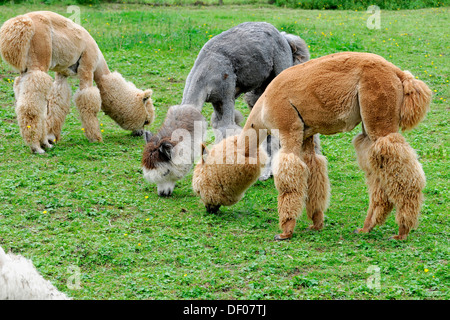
401,177
318,183
379,204
290,177
32,90
271,146
58,107
88,99
88,102
290,173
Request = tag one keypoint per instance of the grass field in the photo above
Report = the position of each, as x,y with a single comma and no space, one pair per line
87,205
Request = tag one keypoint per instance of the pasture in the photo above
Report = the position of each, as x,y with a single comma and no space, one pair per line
86,205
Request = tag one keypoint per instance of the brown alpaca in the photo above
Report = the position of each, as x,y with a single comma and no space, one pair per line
328,95
40,41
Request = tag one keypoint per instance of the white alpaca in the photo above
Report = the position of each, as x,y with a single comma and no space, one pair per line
19,280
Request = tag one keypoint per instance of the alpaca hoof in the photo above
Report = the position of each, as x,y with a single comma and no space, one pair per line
137,133
280,237
398,237
51,139
212,208
38,151
315,228
165,193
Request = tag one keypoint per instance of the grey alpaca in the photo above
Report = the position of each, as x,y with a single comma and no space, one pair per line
243,59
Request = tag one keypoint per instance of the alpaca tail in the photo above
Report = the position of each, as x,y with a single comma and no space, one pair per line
298,46
15,38
416,101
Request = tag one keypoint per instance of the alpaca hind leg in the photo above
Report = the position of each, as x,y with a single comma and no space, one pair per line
379,207
32,90
401,176
379,204
58,107
318,196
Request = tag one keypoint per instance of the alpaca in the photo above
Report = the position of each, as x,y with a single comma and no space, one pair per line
19,280
243,59
40,41
329,95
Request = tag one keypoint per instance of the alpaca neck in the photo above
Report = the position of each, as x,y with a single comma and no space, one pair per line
102,70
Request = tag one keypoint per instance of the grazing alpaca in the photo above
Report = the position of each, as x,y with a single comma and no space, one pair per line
40,41
243,59
168,155
19,280
328,95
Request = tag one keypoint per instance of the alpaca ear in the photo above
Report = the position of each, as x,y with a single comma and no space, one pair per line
147,94
166,150
147,136
205,153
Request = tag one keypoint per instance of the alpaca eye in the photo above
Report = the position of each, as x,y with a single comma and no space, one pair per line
145,99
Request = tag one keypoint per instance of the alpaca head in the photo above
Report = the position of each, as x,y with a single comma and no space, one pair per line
164,162
223,174
130,107
169,154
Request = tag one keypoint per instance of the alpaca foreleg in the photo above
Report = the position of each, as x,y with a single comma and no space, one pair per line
88,102
290,177
318,196
58,107
32,90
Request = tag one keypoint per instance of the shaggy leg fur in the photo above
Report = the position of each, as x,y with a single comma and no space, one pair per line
318,183
290,177
58,107
379,204
395,178
88,102
32,90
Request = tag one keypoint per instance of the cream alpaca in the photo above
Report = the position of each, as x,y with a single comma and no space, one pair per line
19,280
328,95
40,41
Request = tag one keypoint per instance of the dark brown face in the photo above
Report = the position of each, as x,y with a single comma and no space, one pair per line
156,152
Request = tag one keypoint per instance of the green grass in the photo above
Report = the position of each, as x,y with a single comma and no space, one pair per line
102,217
